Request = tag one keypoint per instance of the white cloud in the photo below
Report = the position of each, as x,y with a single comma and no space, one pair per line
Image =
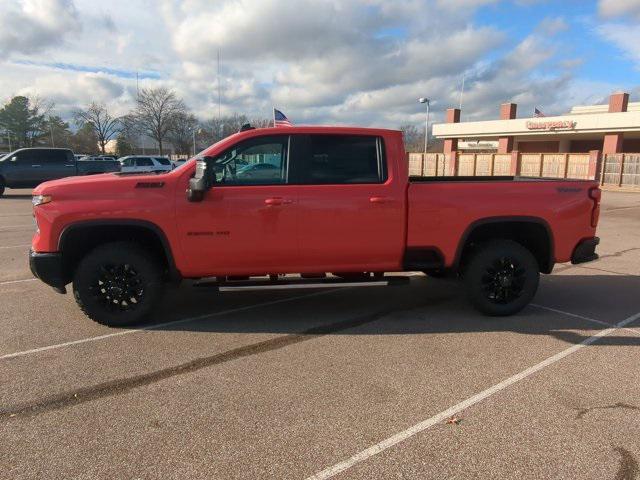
553,25
322,61
626,37
617,8
29,26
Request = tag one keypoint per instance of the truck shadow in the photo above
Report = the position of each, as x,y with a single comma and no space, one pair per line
427,306
16,196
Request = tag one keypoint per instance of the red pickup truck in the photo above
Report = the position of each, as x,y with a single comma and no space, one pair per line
284,207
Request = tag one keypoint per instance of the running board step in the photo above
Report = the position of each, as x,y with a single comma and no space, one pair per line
298,283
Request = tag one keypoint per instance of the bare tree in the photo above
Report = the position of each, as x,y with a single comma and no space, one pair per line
103,123
156,112
413,138
216,129
183,132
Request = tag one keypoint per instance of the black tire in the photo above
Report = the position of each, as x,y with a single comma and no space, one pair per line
2,186
501,278
118,284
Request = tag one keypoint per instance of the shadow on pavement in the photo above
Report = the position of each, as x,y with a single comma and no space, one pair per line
427,306
16,196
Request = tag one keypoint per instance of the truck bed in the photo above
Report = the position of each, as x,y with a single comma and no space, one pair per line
496,178
441,210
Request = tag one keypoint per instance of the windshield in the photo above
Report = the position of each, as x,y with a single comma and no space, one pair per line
6,155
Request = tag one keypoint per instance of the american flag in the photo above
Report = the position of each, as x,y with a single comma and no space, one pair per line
280,119
537,113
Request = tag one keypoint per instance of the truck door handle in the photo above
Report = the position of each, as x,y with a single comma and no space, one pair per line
379,199
36,166
277,201
69,165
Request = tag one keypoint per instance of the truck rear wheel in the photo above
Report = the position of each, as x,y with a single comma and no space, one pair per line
118,284
501,278
2,186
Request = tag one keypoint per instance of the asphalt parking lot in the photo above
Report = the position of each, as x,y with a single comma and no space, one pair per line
398,382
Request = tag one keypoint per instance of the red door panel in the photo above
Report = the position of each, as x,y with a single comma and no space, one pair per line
240,231
350,227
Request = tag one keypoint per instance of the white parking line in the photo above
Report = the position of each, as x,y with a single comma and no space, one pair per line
442,416
160,325
582,317
17,246
9,282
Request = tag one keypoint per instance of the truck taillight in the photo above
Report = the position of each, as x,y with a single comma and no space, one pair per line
595,194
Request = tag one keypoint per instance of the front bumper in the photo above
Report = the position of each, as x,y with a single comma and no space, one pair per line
48,267
585,251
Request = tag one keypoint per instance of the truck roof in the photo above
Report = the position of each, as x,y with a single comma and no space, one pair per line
257,132
344,129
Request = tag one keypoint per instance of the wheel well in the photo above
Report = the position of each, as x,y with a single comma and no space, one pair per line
532,235
77,241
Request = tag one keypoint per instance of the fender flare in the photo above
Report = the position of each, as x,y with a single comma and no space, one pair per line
505,219
152,227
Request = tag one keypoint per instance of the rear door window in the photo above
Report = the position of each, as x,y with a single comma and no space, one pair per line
50,157
342,159
144,162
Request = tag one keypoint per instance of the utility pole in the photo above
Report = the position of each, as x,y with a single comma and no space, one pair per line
462,89
218,81
426,125
51,132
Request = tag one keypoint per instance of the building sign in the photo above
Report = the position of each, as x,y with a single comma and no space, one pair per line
552,125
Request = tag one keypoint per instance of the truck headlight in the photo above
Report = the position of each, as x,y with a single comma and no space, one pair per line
40,199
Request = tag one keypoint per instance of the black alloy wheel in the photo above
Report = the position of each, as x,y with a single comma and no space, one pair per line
503,280
118,287
118,284
501,277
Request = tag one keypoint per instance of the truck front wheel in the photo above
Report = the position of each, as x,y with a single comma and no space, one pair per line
118,284
2,186
501,278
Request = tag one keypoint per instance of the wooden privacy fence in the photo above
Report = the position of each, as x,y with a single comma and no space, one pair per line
483,164
429,165
621,169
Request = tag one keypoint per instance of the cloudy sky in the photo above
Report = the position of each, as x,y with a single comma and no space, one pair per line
323,61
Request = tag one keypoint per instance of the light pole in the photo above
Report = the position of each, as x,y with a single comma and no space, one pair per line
426,125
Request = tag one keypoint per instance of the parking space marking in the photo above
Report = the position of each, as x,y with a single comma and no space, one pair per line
16,246
159,325
9,282
444,415
581,317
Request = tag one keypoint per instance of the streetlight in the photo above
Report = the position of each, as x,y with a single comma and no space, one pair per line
195,131
426,125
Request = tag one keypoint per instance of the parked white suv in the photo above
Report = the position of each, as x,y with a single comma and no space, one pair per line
145,163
